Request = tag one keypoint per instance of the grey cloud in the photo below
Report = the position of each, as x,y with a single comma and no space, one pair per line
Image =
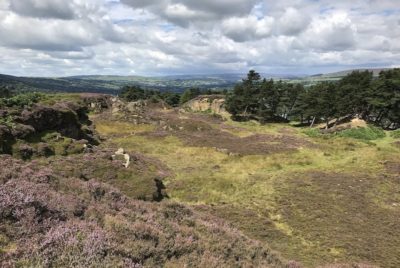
38,34
59,9
142,3
221,7
184,13
72,55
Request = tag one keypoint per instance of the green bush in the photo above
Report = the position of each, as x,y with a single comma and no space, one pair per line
7,121
395,134
365,133
21,100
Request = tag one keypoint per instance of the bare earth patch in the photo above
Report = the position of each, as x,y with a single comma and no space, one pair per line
201,130
393,167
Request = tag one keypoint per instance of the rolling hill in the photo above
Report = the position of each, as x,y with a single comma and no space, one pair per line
111,84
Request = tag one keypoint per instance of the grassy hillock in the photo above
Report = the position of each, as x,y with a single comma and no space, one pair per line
318,199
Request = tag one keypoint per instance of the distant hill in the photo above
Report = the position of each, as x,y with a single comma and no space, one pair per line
111,84
341,74
58,84
313,79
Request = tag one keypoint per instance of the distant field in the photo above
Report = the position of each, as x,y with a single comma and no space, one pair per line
112,84
178,83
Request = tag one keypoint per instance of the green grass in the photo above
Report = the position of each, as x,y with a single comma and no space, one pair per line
395,134
365,133
312,132
276,198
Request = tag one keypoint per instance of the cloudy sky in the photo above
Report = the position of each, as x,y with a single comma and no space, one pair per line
162,37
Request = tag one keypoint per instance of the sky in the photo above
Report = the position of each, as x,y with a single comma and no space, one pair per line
166,37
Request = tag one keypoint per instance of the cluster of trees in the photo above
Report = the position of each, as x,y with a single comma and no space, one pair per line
135,93
264,100
5,92
20,100
356,95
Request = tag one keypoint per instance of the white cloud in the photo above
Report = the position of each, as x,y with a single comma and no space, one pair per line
248,28
54,37
293,22
19,32
331,33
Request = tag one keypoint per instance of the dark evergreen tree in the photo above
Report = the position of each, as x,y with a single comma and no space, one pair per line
268,98
353,92
384,100
5,92
243,102
189,94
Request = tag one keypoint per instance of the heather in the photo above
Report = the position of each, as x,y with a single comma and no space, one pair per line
49,220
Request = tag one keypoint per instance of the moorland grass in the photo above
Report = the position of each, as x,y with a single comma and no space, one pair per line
395,134
363,133
278,199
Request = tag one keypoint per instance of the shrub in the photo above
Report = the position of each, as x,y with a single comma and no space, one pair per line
7,121
364,133
21,100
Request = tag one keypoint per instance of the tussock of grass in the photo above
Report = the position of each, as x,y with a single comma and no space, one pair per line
312,132
51,99
364,133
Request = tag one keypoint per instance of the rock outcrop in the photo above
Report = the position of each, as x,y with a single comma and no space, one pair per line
96,103
212,103
68,119
46,130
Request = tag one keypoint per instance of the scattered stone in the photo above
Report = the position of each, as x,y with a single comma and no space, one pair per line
120,153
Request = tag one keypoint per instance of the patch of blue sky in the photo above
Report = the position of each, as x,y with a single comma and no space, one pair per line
123,21
167,27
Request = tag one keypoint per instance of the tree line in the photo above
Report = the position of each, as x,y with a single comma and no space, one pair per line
359,94
135,93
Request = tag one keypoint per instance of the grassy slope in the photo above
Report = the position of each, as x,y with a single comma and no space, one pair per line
333,202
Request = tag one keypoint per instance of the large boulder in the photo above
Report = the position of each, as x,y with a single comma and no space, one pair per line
204,103
96,102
